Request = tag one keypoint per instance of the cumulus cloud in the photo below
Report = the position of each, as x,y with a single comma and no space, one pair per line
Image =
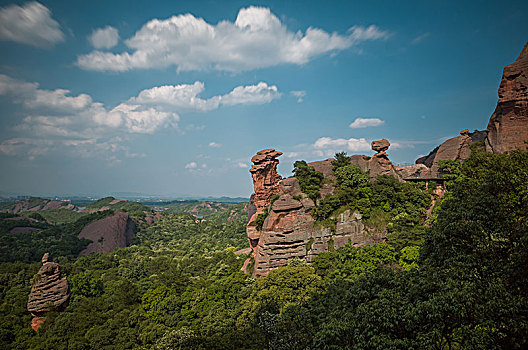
366,122
328,147
242,165
62,116
251,94
299,94
29,24
104,38
214,145
255,40
191,165
185,96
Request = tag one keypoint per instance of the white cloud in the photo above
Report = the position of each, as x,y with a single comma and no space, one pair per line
420,38
185,96
58,113
326,147
242,165
58,100
60,116
251,94
191,165
138,119
29,24
366,122
256,39
299,94
104,38
329,145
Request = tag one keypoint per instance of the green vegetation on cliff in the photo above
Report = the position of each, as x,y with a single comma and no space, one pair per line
180,286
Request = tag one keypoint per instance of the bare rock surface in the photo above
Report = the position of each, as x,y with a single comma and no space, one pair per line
107,234
508,125
380,145
288,232
266,185
456,148
49,292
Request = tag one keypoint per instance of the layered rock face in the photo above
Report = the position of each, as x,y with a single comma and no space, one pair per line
48,292
507,128
107,234
508,125
288,232
266,185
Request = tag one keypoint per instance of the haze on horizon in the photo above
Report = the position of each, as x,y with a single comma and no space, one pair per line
175,98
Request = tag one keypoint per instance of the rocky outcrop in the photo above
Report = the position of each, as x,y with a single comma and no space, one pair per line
378,164
508,125
456,148
380,145
289,230
35,204
266,185
507,128
107,234
49,292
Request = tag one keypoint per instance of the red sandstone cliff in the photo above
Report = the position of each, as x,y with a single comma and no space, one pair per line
266,185
289,230
508,125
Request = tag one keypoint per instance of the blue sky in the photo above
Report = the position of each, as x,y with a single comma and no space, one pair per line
173,98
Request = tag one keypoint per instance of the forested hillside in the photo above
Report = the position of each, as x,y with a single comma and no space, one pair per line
460,283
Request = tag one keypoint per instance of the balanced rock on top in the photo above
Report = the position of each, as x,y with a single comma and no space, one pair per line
49,292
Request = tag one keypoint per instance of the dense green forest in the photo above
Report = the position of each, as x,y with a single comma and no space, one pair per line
457,281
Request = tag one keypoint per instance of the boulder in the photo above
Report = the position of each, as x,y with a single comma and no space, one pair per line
380,145
286,203
508,125
49,292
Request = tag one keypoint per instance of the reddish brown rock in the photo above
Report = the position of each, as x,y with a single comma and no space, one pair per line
508,125
49,292
286,203
380,145
266,185
456,148
108,234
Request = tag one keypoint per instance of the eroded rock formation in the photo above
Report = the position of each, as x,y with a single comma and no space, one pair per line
107,234
508,125
456,148
289,230
49,292
266,185
507,128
